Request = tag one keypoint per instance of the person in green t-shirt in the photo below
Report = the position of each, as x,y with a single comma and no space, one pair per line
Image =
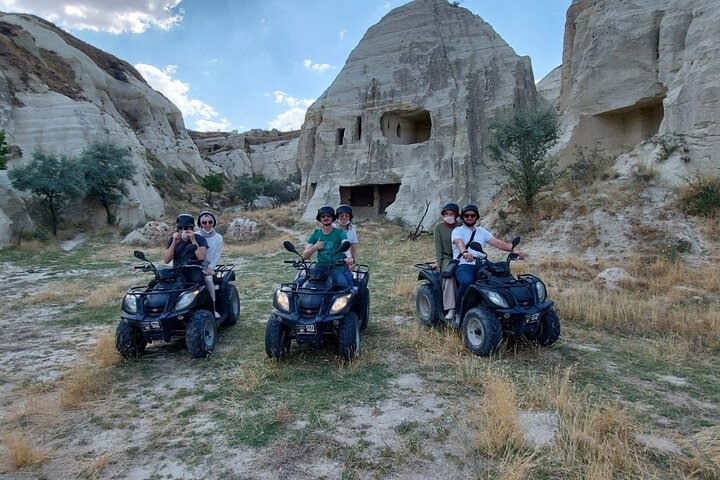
325,241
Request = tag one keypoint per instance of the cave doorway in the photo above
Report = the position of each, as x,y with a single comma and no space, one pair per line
406,128
369,201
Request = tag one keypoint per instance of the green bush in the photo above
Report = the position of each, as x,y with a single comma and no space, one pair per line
669,144
520,144
590,165
701,196
673,249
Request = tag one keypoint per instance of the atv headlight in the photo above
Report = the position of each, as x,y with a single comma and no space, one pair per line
496,298
185,300
541,291
130,303
282,300
340,303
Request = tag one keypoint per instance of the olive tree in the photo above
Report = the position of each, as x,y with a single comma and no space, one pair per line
54,180
107,168
212,183
520,144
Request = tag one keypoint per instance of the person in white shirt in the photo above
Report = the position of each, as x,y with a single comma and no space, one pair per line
461,237
206,221
344,217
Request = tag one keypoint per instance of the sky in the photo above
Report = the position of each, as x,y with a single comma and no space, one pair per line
242,64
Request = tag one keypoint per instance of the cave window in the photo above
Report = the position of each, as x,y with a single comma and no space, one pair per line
339,136
357,133
409,127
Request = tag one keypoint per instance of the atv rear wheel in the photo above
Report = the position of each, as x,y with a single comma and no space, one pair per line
201,334
129,341
277,339
349,337
481,331
232,305
548,329
426,305
365,310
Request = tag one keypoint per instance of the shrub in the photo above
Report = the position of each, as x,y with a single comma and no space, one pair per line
212,183
3,150
589,165
248,189
519,145
701,196
673,249
669,144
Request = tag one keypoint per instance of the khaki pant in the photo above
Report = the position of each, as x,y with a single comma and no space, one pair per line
448,287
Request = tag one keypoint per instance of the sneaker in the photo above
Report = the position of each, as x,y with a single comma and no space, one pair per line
450,314
217,315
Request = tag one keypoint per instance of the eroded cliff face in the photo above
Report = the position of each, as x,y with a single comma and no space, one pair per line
406,120
58,94
635,68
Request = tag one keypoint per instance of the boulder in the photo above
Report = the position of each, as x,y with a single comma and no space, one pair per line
242,229
152,234
406,120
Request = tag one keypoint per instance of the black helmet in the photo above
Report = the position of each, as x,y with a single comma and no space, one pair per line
325,209
452,207
205,213
184,220
344,209
470,208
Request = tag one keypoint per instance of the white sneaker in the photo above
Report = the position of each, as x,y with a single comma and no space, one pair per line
450,314
217,315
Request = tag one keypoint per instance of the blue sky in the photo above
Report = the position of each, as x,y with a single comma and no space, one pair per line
242,64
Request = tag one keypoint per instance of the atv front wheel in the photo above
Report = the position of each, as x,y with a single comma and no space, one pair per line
277,339
129,341
349,337
232,305
426,305
482,333
548,329
201,334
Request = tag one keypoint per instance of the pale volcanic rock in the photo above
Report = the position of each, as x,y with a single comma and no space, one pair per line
406,119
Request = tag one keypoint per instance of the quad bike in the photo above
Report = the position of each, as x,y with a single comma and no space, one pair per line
497,304
169,307
313,311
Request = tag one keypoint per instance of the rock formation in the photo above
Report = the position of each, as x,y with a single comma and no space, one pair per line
406,120
635,68
256,152
58,94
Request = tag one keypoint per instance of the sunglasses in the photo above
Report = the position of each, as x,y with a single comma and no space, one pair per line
469,215
207,222
186,228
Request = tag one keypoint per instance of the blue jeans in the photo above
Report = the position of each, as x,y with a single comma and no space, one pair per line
465,275
338,278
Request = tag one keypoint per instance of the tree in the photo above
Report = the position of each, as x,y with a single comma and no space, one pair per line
212,183
280,191
519,144
3,150
54,180
107,167
248,189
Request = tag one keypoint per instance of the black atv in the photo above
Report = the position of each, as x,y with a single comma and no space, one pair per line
169,307
313,311
497,304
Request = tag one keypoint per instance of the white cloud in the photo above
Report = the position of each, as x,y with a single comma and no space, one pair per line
342,34
134,16
319,67
177,92
293,118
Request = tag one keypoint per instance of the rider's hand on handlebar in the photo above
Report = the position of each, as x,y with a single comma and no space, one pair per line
521,255
468,256
349,261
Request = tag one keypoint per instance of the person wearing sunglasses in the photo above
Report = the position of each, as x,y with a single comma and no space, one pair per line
206,221
325,241
344,216
179,247
444,253
463,235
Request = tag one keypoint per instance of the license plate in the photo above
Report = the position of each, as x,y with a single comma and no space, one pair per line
154,325
306,329
533,317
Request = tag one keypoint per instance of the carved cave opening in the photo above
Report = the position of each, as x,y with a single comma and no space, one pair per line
615,131
369,200
339,136
405,128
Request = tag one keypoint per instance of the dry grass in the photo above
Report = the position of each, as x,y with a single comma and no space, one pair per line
705,450
30,408
104,353
95,468
434,347
82,383
112,291
497,422
64,292
21,452
283,415
250,379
